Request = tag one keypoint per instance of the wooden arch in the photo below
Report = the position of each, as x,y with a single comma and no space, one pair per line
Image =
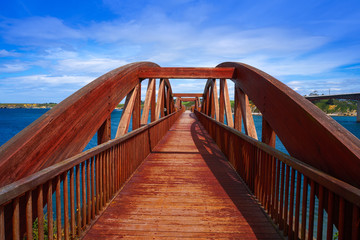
65,130
307,133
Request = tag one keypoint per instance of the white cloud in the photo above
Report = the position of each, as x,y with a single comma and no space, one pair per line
43,79
5,53
323,86
13,67
91,65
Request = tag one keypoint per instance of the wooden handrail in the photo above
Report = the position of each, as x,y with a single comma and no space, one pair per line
306,132
272,175
19,187
96,175
339,187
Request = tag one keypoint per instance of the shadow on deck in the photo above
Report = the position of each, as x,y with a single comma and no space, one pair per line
185,188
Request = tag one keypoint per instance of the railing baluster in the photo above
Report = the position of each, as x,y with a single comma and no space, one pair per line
2,223
89,202
291,210
72,203
297,204
282,225
15,220
311,210
40,212
100,182
93,188
304,207
58,207
97,177
329,230
29,220
273,188
277,192
286,207
341,218
50,211
66,205
320,213
355,223
78,204
83,193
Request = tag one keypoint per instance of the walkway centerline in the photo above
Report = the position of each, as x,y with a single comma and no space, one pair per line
184,188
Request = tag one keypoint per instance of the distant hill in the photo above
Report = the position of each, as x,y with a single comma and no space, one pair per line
337,107
27,105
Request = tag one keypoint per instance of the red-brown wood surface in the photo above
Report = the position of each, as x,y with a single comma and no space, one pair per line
66,129
184,190
306,132
185,72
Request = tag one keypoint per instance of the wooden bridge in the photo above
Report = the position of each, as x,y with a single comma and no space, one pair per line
184,174
348,96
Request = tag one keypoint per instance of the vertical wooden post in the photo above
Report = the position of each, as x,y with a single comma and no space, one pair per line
168,110
237,111
127,111
136,117
222,101
104,132
216,100
249,125
149,101
228,112
162,108
160,100
152,100
212,101
207,102
268,135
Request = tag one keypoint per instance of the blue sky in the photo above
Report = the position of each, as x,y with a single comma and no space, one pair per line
50,49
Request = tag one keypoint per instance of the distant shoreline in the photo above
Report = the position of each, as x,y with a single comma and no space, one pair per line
119,107
34,105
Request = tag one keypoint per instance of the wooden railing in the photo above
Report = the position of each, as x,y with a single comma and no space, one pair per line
83,186
300,199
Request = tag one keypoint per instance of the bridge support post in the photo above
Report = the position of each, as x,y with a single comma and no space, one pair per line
358,112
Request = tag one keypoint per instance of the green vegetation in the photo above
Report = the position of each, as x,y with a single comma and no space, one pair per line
335,106
35,232
27,105
39,105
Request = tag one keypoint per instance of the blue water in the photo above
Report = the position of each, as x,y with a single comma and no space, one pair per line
12,121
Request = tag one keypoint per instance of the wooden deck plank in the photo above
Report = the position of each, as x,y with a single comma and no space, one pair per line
184,189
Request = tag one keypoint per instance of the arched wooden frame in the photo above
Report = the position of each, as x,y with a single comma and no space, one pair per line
66,129
306,132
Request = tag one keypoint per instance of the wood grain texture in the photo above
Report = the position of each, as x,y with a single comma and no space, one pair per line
127,112
187,190
227,103
66,129
185,72
246,113
237,110
148,100
160,99
306,132
215,100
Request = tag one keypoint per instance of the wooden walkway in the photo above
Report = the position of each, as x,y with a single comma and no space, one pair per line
185,189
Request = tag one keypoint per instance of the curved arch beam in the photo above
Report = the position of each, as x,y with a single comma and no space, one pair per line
307,133
66,129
